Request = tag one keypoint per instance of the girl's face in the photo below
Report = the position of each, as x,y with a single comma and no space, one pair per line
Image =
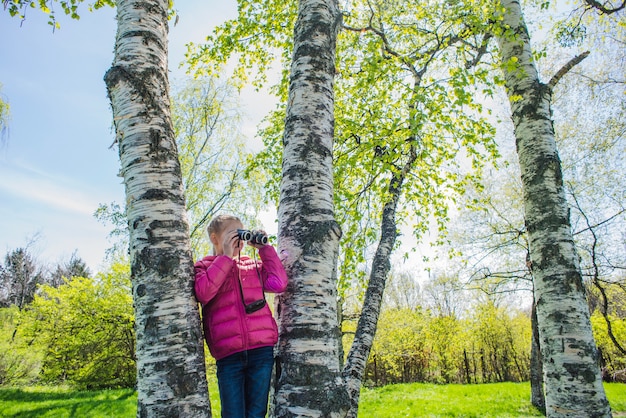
226,240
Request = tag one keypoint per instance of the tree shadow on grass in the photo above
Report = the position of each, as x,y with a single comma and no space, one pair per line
55,403
25,395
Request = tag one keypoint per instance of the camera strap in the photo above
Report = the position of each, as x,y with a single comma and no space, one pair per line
257,304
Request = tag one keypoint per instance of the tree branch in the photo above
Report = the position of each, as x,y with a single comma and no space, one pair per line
595,280
565,69
589,227
480,52
602,8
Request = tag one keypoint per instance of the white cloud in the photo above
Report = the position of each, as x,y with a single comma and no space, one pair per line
58,210
21,181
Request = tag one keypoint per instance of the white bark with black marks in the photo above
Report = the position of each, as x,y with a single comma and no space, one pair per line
308,381
573,384
171,378
537,395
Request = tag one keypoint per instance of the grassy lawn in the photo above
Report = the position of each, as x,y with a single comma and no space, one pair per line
489,400
427,400
410,400
59,402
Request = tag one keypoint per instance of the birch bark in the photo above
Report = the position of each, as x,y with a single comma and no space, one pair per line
537,395
308,378
171,378
573,384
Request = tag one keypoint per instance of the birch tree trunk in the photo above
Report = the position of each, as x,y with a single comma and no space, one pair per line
308,378
171,379
368,320
572,377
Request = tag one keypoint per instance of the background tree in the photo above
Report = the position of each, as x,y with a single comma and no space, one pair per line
485,343
502,340
214,155
487,239
114,215
399,352
443,336
74,267
402,290
444,295
19,277
609,324
572,377
171,378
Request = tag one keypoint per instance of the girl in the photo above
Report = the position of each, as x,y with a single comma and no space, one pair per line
238,325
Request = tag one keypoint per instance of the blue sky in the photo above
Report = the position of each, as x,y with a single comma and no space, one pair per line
56,166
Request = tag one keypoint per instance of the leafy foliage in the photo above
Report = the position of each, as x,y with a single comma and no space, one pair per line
21,274
608,306
5,113
403,87
85,329
18,8
259,37
415,345
568,34
114,215
614,361
20,361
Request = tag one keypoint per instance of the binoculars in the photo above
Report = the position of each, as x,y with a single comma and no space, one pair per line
254,237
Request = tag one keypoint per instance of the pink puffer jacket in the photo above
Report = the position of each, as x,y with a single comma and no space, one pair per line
228,329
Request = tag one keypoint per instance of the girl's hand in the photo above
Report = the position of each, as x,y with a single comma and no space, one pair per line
257,246
232,245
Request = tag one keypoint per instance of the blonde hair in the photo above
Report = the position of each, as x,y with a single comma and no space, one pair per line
217,223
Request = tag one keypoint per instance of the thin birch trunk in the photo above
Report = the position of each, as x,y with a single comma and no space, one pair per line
573,383
171,380
308,378
368,320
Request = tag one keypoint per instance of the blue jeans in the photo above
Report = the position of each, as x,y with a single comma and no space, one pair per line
244,382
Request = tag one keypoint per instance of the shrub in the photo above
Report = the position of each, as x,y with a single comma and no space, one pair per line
85,330
19,362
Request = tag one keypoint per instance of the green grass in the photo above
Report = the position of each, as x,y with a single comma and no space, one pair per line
616,392
427,400
410,400
490,400
60,402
